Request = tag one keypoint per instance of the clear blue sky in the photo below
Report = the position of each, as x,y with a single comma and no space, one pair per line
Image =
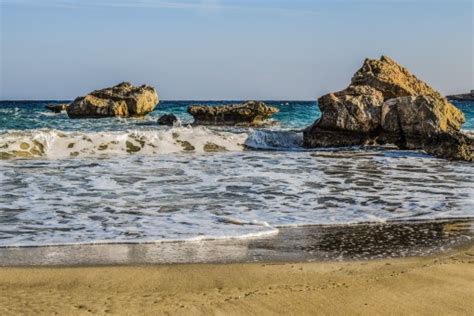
227,49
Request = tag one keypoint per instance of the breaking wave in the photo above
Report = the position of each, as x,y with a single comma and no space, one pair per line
272,139
56,144
59,144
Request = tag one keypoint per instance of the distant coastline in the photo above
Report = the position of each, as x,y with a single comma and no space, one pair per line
462,97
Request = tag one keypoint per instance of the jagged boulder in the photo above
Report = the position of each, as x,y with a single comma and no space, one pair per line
390,78
385,103
395,81
423,115
122,100
415,122
252,113
357,108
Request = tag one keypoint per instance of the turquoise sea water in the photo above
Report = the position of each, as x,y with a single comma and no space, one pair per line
33,115
129,180
22,115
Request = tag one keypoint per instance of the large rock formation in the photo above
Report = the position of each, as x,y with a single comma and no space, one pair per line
252,113
122,100
385,103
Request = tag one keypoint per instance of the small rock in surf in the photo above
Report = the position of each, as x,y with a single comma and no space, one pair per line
57,108
167,119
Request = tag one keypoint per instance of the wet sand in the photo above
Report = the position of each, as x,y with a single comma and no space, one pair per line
440,282
298,244
435,285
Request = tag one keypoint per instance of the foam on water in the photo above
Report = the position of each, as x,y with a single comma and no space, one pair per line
148,198
57,144
275,139
129,180
54,144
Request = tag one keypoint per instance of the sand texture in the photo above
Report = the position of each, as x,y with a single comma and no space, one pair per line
439,285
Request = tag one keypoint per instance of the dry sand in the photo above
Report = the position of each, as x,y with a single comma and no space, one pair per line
439,285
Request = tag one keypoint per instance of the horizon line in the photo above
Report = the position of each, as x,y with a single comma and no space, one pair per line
173,100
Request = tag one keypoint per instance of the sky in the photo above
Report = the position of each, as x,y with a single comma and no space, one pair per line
227,49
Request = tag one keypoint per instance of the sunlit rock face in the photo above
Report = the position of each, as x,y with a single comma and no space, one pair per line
251,113
385,103
122,100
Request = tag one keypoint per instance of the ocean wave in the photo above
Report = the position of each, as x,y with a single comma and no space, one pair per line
275,140
56,144
267,231
468,132
60,144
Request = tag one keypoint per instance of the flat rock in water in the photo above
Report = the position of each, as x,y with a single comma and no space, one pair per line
122,100
385,103
251,113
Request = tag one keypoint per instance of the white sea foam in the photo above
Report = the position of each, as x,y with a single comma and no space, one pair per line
54,144
59,144
468,132
53,114
275,139
149,198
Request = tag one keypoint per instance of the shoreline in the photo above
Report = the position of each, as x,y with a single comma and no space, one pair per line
436,284
364,241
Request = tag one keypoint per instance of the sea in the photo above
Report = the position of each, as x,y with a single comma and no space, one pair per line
129,180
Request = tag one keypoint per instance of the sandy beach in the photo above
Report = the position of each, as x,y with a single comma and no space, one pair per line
436,285
225,157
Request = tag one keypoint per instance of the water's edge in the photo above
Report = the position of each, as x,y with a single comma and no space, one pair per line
309,243
130,180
